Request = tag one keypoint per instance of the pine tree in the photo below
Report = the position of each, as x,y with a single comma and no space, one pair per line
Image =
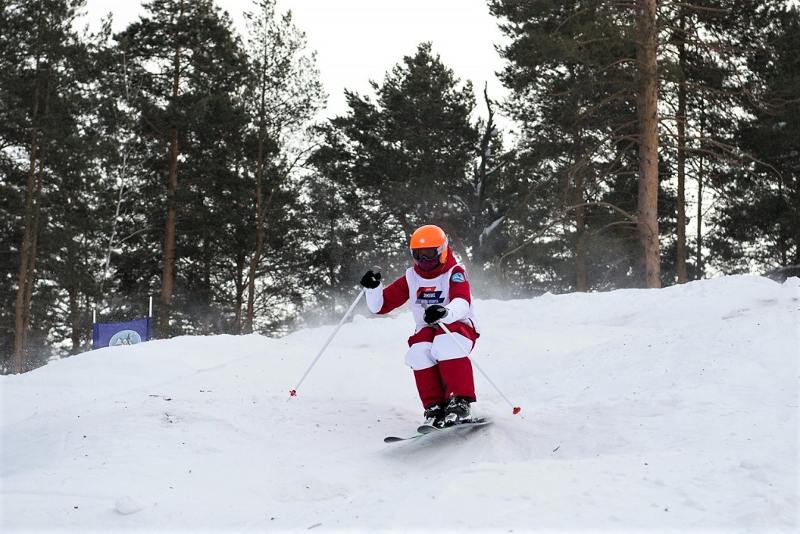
412,156
347,226
42,85
576,80
757,222
571,69
495,180
420,141
186,59
412,147
704,46
284,94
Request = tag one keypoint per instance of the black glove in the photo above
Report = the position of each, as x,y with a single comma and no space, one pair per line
371,279
435,312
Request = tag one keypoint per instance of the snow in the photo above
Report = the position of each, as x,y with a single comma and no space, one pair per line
666,410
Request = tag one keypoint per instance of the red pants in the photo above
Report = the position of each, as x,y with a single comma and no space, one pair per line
446,379
441,370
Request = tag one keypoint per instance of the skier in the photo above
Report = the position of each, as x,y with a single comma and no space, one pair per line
437,289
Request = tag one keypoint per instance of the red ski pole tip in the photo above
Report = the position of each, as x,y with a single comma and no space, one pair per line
516,410
292,392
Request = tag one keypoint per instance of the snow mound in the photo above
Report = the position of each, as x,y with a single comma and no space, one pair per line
128,505
668,409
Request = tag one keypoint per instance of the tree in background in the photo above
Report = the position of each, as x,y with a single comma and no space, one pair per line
175,144
47,160
412,156
186,60
647,111
284,93
346,225
704,50
571,69
587,80
414,153
756,225
404,158
496,180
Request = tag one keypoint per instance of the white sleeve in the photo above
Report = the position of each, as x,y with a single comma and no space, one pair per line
374,298
457,309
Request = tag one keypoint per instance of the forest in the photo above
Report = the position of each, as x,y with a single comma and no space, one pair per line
655,142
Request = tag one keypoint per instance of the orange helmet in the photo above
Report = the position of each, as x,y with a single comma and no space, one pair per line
428,242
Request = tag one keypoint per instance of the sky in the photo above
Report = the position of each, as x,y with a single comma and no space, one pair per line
360,40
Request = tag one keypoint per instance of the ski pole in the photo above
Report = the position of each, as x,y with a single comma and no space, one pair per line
293,392
514,409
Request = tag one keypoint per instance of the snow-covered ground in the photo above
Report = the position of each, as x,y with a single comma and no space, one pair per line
670,409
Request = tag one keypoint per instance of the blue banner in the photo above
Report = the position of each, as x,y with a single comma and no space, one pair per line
115,334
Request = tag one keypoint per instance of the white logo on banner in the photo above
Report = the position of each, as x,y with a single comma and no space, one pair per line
125,337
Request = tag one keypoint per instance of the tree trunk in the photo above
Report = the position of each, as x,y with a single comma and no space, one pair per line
783,246
27,252
240,289
169,238
699,245
256,257
581,270
168,268
213,323
647,108
30,235
332,260
260,209
73,295
683,276
481,182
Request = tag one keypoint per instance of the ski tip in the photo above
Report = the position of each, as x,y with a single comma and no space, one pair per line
395,439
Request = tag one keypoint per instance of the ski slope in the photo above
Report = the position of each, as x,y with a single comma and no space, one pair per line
666,410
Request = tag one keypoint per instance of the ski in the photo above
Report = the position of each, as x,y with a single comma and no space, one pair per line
395,439
470,423
424,430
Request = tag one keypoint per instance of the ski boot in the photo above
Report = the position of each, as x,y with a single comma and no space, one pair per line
456,411
434,415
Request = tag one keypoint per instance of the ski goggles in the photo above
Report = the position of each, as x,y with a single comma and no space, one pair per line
421,254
